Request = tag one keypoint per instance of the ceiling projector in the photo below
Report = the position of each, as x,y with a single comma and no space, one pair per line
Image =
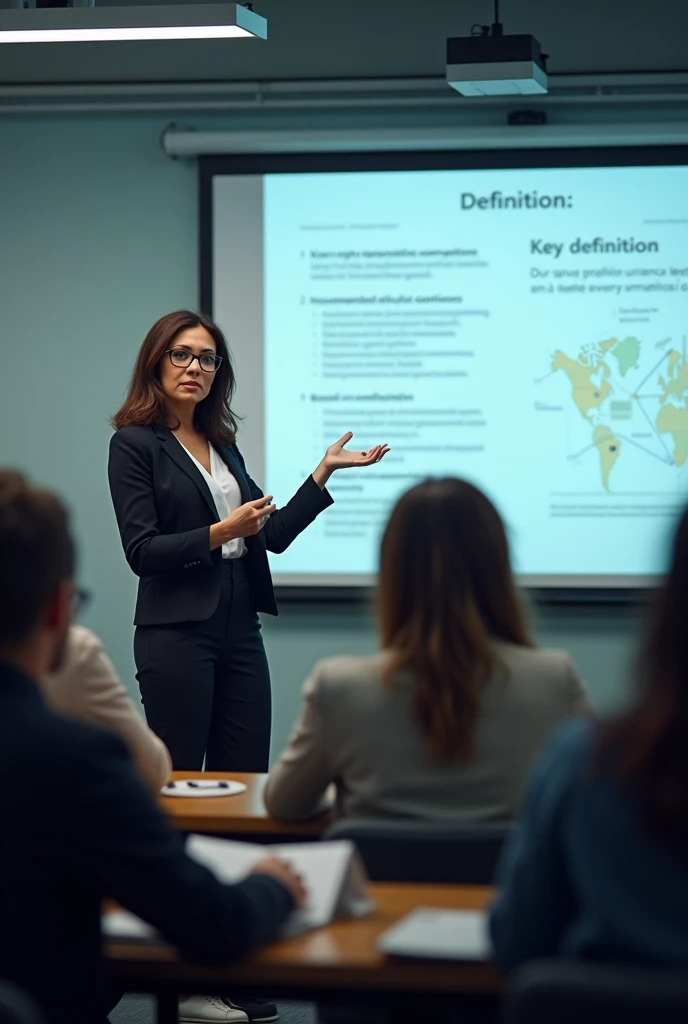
488,63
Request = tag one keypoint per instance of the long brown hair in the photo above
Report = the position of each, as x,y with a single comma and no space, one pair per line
445,592
145,401
648,742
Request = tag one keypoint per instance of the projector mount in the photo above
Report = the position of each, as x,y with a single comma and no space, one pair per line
496,29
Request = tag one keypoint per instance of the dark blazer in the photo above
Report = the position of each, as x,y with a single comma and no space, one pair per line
79,826
164,511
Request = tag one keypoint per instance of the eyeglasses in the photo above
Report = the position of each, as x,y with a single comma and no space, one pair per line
80,599
182,358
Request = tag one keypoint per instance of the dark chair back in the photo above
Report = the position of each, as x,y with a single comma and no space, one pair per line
555,992
16,1007
425,851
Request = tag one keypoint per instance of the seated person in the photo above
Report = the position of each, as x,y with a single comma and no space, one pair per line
598,865
87,687
445,720
80,825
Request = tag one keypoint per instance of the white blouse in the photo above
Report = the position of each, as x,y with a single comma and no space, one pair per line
225,493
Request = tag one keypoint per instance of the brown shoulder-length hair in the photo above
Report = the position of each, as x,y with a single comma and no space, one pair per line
647,744
145,401
446,591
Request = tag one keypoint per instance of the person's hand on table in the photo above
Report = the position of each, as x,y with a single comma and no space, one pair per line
285,875
339,457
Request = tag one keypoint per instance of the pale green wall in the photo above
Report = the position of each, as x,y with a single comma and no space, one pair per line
98,239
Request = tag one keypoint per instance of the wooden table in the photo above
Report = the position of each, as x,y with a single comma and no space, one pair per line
338,964
242,816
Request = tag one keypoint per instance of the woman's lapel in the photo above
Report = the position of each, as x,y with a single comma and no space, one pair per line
180,456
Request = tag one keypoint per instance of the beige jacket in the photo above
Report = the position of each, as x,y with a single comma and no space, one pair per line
354,734
87,687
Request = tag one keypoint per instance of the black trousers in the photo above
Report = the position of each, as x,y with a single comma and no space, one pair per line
206,685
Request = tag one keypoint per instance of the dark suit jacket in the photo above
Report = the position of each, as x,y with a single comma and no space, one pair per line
79,825
164,512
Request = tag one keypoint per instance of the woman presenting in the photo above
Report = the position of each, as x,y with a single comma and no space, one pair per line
196,530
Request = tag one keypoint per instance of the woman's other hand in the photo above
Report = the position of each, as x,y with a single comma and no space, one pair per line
245,521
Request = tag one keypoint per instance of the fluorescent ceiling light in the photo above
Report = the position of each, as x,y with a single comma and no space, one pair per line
115,24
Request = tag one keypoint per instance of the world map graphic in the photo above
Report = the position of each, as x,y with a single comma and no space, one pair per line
617,383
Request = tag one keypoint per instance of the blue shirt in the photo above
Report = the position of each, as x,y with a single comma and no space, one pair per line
582,878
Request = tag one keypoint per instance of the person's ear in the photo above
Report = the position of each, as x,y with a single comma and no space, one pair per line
58,607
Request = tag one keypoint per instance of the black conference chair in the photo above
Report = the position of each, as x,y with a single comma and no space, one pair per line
555,992
402,850
425,851
16,1007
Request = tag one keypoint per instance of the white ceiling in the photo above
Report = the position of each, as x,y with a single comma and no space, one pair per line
374,38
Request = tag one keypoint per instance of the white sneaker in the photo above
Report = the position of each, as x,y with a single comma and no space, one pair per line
207,1009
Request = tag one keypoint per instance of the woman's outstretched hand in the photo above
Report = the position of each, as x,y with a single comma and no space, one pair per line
339,457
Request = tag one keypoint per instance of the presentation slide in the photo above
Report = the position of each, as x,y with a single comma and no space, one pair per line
524,329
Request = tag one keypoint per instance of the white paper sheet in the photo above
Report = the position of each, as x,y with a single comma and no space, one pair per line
439,934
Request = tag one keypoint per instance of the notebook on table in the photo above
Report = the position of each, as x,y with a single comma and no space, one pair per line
332,873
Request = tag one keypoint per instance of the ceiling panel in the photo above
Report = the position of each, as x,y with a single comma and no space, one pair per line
371,38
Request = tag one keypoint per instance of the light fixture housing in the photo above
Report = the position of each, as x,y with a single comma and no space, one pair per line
496,65
106,24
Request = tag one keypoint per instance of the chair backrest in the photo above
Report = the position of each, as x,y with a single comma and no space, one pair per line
425,851
572,993
16,1007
